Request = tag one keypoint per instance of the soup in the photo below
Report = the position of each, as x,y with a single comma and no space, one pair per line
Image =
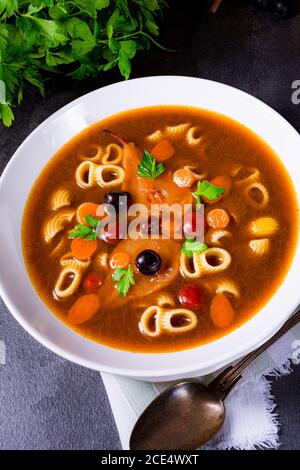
160,285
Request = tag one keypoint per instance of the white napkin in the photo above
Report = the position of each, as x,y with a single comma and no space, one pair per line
251,420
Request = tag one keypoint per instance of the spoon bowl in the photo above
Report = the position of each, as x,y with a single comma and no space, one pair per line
188,413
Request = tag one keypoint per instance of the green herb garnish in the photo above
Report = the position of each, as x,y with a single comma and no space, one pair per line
86,231
124,278
208,190
149,168
191,246
78,38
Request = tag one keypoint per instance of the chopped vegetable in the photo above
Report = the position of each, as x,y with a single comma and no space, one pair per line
221,311
87,231
120,259
218,218
192,246
87,208
92,282
78,38
184,178
149,168
163,150
83,249
208,190
192,297
83,309
124,279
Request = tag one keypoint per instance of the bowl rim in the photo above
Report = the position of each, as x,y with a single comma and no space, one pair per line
228,355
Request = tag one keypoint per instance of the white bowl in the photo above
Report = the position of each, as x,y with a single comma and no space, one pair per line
28,161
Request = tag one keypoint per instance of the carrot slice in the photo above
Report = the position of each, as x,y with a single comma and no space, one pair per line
87,208
120,259
221,311
222,181
218,218
184,178
83,309
82,248
163,150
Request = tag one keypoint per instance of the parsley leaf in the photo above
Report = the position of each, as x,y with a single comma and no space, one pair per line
191,246
86,231
124,279
80,38
149,168
208,190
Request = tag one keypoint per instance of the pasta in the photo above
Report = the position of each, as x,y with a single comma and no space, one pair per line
260,247
92,153
109,176
86,174
113,155
191,136
70,276
164,321
263,227
197,176
155,137
176,132
56,223
213,236
89,174
252,176
60,198
201,262
262,196
223,286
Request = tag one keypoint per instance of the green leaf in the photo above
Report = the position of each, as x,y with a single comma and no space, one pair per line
52,30
57,58
33,76
86,231
100,4
83,40
129,48
124,279
59,11
9,6
30,31
149,168
91,221
208,190
109,31
83,71
124,64
191,246
86,6
3,36
6,114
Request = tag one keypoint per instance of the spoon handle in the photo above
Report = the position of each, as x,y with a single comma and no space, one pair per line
224,382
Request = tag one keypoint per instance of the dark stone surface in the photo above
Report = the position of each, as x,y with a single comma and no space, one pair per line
49,403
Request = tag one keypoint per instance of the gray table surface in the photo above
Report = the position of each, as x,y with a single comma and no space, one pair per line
47,402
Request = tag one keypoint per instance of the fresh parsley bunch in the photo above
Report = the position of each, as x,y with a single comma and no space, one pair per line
80,38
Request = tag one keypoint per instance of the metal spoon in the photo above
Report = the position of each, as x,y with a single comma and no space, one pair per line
188,414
